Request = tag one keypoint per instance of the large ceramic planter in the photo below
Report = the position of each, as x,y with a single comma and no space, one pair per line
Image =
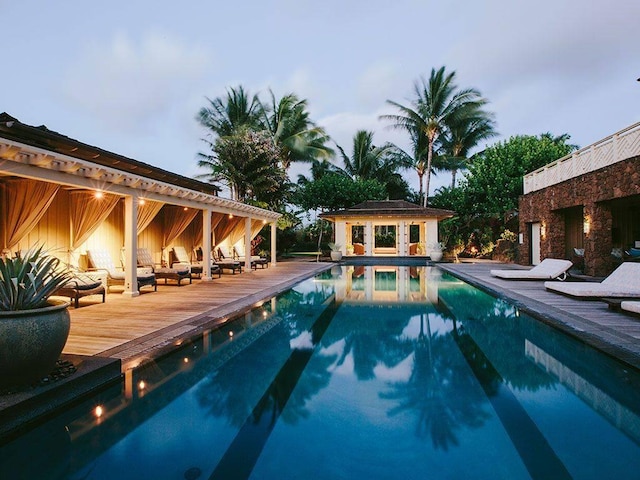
336,256
31,342
436,255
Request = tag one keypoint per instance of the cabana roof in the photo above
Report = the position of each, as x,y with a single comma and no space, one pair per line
43,154
388,209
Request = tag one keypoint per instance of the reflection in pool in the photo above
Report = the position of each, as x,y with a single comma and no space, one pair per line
362,372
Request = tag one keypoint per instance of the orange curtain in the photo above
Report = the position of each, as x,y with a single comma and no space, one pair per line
146,213
87,213
26,202
176,220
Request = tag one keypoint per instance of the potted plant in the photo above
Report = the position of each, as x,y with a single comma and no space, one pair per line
436,251
33,328
336,252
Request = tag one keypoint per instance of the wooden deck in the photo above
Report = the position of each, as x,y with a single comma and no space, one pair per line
592,321
132,329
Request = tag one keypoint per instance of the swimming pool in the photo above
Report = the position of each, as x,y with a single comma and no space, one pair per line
371,372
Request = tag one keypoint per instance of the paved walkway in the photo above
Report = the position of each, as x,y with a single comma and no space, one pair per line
591,321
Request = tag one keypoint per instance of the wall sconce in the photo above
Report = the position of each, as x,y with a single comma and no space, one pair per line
586,226
543,230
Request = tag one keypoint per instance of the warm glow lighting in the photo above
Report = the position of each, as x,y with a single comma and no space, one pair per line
230,215
185,360
264,314
231,334
141,201
98,194
98,411
586,227
185,209
142,385
543,230
264,222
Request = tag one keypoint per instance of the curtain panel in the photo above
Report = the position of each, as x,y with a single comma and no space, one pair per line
225,227
27,202
176,220
146,214
87,213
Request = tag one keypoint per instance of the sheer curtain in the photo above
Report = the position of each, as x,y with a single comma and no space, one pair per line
26,202
176,220
87,213
225,227
146,214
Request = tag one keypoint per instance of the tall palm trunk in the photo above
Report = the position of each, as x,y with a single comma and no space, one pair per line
453,178
428,172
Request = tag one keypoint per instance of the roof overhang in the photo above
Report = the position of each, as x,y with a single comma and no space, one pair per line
29,161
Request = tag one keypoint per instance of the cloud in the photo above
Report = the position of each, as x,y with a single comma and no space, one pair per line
128,84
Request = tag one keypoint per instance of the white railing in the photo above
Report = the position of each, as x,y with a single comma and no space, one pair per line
614,148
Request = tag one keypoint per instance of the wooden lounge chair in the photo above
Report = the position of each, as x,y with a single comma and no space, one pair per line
256,260
624,281
181,272
81,286
548,269
101,260
180,254
225,262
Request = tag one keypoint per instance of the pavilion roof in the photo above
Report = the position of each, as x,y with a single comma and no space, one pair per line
388,209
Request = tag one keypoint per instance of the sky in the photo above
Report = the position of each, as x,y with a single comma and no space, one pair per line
130,76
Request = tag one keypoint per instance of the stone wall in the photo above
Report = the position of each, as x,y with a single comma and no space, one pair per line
619,180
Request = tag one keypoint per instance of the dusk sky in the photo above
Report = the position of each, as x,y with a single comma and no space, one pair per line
130,76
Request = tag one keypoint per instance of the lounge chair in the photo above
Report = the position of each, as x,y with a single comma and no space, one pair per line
624,281
631,306
256,260
81,286
101,260
548,269
183,259
181,272
227,262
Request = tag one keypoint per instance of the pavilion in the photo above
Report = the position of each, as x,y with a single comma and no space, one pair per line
70,197
387,228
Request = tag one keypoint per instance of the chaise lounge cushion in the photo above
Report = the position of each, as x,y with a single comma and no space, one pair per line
548,269
623,282
631,306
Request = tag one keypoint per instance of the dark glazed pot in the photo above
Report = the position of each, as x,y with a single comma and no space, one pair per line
31,342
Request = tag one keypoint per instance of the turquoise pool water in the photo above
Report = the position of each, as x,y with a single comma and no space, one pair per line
360,373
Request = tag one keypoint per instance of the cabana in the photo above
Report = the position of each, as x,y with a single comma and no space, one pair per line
387,228
70,196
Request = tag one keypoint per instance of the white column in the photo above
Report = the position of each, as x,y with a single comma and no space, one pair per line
130,246
369,239
247,244
402,238
206,245
431,234
341,235
273,244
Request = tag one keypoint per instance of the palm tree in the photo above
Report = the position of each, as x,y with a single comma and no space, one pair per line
462,136
369,162
298,139
437,104
224,116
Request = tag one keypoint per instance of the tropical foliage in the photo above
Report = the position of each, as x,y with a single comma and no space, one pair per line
27,282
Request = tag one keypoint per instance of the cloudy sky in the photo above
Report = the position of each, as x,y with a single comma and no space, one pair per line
129,76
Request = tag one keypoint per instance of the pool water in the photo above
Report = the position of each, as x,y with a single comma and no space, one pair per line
359,373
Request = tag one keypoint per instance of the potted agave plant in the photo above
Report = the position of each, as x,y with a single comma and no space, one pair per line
336,252
33,327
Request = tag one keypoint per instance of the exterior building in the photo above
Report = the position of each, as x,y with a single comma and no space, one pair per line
586,206
70,197
387,228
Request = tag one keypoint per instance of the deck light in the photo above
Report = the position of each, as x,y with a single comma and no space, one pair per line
231,333
98,411
185,360
141,385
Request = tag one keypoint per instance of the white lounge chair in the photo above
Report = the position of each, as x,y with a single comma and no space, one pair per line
222,258
624,281
548,269
238,254
631,306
